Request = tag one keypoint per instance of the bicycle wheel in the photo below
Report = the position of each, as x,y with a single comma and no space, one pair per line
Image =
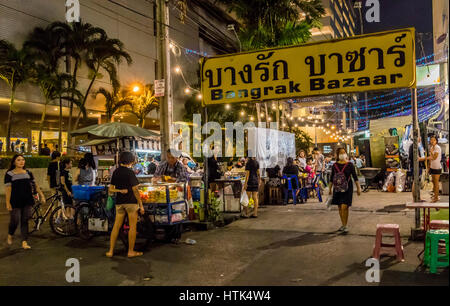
84,212
63,223
35,219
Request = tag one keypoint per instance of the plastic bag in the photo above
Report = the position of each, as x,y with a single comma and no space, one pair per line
244,199
400,180
110,203
329,200
251,203
389,182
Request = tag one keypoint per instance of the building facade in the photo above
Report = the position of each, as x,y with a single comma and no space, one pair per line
197,28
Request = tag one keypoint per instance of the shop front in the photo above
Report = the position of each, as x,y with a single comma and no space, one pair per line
51,139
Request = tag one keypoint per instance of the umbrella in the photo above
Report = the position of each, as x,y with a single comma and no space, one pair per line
115,130
96,142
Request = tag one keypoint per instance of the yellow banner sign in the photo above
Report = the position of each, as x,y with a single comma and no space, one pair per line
362,63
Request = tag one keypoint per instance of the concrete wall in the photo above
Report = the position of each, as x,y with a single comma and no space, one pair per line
40,176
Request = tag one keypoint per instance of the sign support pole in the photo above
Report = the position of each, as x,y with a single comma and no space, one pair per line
205,170
416,193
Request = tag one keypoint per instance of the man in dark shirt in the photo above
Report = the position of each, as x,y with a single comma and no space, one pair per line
125,184
46,150
53,171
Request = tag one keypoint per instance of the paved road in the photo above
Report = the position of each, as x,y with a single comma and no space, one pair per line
287,245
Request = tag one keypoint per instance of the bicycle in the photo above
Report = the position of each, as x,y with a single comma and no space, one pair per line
61,216
88,212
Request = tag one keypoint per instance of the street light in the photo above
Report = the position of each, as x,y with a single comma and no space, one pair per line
136,88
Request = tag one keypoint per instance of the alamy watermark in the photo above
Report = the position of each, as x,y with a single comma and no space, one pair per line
236,139
73,11
373,273
73,273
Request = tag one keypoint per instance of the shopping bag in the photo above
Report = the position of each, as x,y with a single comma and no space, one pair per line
251,203
244,199
109,203
329,200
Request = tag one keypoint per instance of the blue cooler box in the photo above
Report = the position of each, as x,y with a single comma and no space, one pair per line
84,192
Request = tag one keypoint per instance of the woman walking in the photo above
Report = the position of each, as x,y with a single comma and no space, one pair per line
251,185
125,183
341,186
19,198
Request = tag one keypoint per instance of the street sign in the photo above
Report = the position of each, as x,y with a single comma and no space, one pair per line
377,61
159,88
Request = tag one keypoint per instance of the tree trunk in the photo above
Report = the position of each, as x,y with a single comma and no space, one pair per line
267,115
41,125
69,129
86,96
143,123
60,125
8,126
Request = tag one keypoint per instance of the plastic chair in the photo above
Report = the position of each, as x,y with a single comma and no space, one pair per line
432,258
388,228
289,178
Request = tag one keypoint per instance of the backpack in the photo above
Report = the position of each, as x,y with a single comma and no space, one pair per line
340,182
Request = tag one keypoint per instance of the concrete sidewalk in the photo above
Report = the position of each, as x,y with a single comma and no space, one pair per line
287,245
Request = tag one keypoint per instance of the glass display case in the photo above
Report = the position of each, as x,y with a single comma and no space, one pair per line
166,203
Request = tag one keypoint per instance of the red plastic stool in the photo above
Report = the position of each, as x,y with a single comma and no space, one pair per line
438,224
379,245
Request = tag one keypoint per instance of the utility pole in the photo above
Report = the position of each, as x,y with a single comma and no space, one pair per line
358,5
416,194
164,72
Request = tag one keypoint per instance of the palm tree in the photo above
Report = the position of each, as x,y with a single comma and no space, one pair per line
143,104
114,100
46,45
53,87
15,67
79,39
105,54
273,23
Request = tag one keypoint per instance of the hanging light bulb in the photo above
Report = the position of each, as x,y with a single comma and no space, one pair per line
242,113
251,118
187,91
199,96
177,69
227,106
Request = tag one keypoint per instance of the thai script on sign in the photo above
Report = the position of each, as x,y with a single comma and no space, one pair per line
370,62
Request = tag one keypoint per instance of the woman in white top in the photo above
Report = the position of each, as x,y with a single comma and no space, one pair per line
435,165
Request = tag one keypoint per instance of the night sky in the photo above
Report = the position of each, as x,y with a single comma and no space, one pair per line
395,14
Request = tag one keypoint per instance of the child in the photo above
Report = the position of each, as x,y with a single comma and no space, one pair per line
310,170
66,180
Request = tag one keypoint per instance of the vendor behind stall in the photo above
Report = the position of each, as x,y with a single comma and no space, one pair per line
171,169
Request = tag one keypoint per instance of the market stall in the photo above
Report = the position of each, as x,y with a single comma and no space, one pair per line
109,139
